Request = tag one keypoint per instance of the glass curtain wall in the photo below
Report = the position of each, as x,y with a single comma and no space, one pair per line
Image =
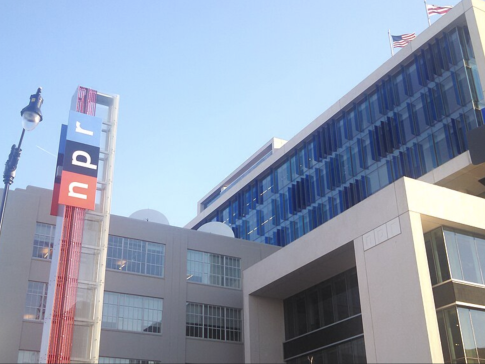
462,334
455,254
323,306
412,121
329,302
349,352
459,256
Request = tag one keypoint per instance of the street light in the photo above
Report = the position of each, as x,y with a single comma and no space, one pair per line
31,117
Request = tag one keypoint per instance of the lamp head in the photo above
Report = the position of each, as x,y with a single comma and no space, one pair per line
31,114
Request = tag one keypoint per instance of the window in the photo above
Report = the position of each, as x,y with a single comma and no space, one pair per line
132,313
43,240
136,256
35,301
352,351
457,252
214,322
328,302
28,356
462,336
466,254
106,360
213,269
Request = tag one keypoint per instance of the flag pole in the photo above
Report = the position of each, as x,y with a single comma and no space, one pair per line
390,42
427,14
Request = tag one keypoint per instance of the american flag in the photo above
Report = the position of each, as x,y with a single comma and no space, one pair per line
434,9
399,41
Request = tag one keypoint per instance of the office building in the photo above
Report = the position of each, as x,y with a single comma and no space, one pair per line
171,295
380,212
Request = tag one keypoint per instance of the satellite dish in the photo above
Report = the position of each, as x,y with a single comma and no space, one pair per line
151,216
217,228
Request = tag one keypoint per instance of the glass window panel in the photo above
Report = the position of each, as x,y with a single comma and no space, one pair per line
453,255
363,114
443,330
351,351
213,269
346,354
43,241
420,113
480,242
442,144
412,78
341,299
314,312
213,322
375,107
427,153
455,46
26,356
470,119
463,86
266,188
35,301
437,256
353,122
445,52
345,161
453,335
385,174
450,96
372,181
367,151
294,167
340,131
328,311
354,294
136,256
132,313
467,333
114,258
405,124
357,157
399,87
468,258
195,320
283,175
301,316
478,321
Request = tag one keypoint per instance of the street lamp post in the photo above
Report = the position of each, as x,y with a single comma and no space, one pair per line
31,116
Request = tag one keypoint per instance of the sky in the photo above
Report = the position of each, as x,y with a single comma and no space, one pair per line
203,84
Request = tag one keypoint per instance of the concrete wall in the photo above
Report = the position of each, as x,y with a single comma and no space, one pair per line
26,207
16,269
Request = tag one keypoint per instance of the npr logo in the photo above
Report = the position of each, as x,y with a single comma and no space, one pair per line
80,160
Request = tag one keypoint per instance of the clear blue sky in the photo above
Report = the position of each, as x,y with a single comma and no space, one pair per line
202,84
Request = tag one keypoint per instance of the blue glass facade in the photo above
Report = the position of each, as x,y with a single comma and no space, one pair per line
410,122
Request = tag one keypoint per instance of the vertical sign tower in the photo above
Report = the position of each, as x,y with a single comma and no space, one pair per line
81,200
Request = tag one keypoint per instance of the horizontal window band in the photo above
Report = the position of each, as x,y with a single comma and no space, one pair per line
327,336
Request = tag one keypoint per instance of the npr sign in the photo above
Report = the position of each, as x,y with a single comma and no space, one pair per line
77,163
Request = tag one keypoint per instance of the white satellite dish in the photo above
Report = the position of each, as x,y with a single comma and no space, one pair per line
218,228
151,216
